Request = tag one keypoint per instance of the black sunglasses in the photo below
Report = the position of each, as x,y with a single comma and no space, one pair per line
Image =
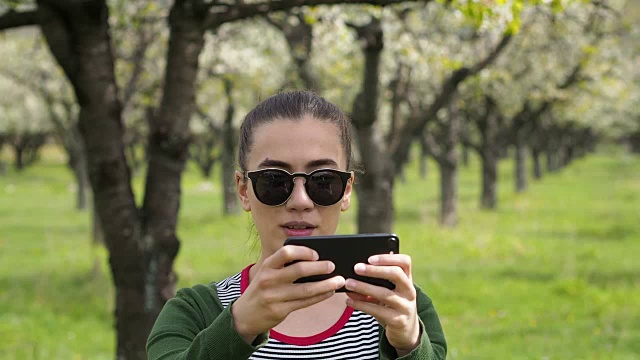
273,187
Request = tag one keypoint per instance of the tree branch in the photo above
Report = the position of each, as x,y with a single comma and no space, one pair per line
224,13
138,65
433,148
273,22
216,129
493,55
400,147
59,38
13,19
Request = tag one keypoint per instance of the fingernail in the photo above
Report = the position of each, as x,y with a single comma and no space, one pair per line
350,284
349,302
359,267
316,256
373,259
331,266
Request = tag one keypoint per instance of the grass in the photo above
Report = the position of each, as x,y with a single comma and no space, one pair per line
552,274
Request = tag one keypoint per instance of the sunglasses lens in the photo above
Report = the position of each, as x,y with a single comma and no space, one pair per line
325,188
273,187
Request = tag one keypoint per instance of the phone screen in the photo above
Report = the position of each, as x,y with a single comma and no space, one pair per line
347,250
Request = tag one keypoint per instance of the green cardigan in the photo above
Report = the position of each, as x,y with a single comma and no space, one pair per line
194,325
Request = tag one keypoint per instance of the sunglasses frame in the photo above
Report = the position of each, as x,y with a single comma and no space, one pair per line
344,176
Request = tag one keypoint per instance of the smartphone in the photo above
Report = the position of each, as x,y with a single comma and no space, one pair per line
347,250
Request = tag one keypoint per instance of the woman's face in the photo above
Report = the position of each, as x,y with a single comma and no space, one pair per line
295,146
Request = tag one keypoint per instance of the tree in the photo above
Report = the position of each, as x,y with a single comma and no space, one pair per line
375,189
489,126
23,123
441,132
507,105
142,243
297,29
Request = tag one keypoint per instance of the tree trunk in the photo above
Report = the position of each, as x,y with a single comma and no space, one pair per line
97,239
520,166
78,36
375,187
448,193
550,162
570,154
449,168
82,184
18,153
168,148
634,142
141,244
488,199
77,162
465,156
537,167
489,149
423,161
96,228
207,169
3,166
228,151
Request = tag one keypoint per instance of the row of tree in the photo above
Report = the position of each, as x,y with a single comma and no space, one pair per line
156,84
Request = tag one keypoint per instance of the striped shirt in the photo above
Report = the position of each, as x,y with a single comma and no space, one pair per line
354,336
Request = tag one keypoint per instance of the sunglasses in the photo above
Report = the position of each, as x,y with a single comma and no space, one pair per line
324,187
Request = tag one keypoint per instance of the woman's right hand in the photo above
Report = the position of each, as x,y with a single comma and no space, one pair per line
272,295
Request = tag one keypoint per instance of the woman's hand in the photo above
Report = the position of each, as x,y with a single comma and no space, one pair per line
272,295
395,310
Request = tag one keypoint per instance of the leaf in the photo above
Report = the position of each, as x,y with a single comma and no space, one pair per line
310,19
557,6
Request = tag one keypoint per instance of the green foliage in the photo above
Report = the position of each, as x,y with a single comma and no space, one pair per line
551,274
16,4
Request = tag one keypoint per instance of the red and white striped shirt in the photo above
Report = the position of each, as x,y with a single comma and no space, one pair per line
354,336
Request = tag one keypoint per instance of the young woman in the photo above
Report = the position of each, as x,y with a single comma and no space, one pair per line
294,156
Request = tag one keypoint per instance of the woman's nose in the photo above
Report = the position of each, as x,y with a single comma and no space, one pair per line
299,199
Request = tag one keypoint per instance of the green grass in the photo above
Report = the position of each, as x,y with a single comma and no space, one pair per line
552,274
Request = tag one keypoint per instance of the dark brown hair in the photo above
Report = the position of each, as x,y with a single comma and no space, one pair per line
293,105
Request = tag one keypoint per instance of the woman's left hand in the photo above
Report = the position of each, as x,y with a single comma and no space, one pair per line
395,310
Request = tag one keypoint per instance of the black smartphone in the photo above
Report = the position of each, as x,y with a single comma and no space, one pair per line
347,250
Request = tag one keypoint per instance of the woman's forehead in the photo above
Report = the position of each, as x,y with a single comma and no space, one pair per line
298,143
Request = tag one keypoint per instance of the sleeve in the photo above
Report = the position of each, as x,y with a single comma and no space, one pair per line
194,325
433,345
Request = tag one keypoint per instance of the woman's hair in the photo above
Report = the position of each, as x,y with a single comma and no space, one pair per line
294,105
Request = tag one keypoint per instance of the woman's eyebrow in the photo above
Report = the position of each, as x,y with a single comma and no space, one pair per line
274,163
321,162
285,165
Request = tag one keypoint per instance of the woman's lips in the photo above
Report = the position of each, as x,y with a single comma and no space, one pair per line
298,228
298,232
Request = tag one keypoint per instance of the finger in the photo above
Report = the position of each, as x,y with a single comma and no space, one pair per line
392,273
379,312
360,297
312,289
381,294
401,260
290,253
301,269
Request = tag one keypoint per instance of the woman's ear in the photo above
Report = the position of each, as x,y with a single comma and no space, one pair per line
345,203
242,187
